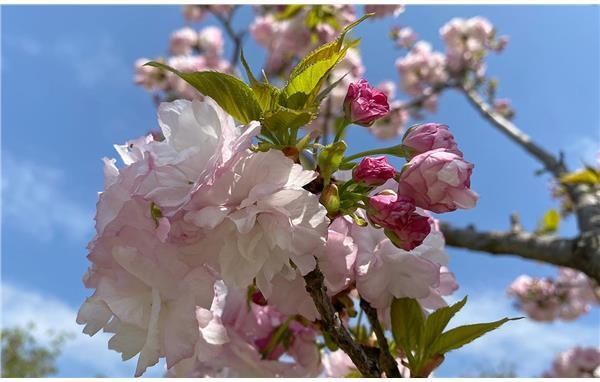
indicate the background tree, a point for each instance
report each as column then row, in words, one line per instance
column 24, row 357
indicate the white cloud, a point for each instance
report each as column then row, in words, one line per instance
column 93, row 60
column 90, row 354
column 34, row 200
column 528, row 345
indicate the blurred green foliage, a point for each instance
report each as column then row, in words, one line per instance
column 24, row 357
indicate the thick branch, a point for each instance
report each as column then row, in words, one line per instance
column 582, row 253
column 332, row 324
column 585, row 199
column 386, row 360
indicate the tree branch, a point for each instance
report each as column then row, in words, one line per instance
column 572, row 253
column 553, row 165
column 332, row 324
column 585, row 250
column 386, row 360
column 235, row 37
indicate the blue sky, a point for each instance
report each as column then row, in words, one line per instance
column 68, row 96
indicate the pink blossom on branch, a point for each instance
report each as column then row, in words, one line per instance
column 183, row 41
column 577, row 362
column 429, row 136
column 381, row 10
column 373, row 171
column 567, row 297
column 364, row 104
column 438, row 181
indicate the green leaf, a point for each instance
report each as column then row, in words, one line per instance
column 407, row 323
column 325, row 51
column 289, row 12
column 231, row 93
column 266, row 94
column 462, row 335
column 303, row 89
column 286, row 119
column 330, row 159
column 586, row 176
column 308, row 76
column 549, row 222
column 436, row 323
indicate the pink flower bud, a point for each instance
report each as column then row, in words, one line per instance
column 411, row 234
column 363, row 104
column 430, row 136
column 373, row 171
column 390, row 210
column 438, row 181
column 397, row 216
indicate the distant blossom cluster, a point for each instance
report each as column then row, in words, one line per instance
column 567, row 297
column 578, row 362
column 190, row 51
column 287, row 40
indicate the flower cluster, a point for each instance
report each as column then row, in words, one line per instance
column 194, row 220
column 421, row 69
column 191, row 51
column 467, row 43
column 206, row 232
column 381, row 10
column 196, row 13
column 184, row 213
column 424, row 72
column 577, row 362
column 567, row 297
column 288, row 38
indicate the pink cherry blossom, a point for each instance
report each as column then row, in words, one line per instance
column 265, row 219
column 467, row 43
column 387, row 209
column 567, row 297
column 373, row 171
column 577, row 362
column 151, row 78
column 381, row 10
column 384, row 271
column 363, row 104
column 439, row 181
column 421, row 69
column 405, row 37
column 337, row 258
column 211, row 42
column 429, row 136
column 234, row 335
column 193, row 13
column 183, row 41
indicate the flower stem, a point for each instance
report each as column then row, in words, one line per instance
column 398, row 151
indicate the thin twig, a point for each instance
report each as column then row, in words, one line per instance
column 332, row 324
column 551, row 163
column 236, row 37
column 386, row 359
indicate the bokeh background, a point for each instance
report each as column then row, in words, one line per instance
column 67, row 96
